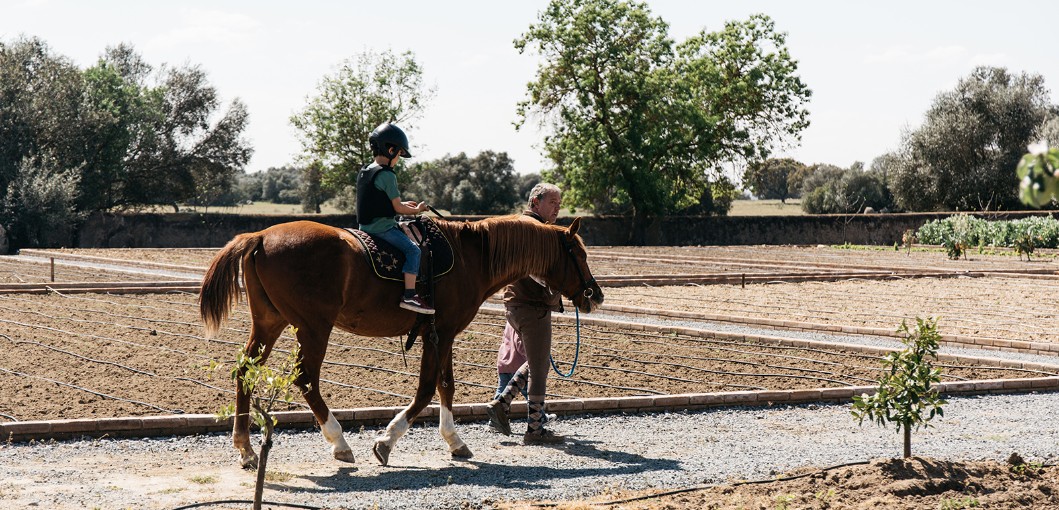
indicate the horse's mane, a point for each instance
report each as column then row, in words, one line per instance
column 515, row 244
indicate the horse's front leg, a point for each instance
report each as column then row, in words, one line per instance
column 428, row 368
column 446, row 425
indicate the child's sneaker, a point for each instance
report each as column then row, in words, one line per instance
column 416, row 304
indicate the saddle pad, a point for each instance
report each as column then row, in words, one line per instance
column 387, row 261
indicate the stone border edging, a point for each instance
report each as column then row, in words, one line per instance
column 150, row 426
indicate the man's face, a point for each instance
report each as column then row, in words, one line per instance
column 548, row 206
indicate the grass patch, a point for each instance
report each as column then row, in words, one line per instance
column 793, row 207
column 203, row 479
column 277, row 476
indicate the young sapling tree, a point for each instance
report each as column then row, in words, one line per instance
column 266, row 386
column 905, row 396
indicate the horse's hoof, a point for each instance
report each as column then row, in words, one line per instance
column 382, row 452
column 248, row 460
column 344, row 456
column 462, row 453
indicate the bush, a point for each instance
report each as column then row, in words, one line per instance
column 973, row 231
column 39, row 208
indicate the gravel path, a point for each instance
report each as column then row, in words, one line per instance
column 606, row 453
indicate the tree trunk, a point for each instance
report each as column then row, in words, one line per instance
column 908, row 440
column 638, row 230
column 259, row 488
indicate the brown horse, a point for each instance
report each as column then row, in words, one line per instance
column 317, row 277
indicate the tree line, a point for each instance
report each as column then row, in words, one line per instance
column 634, row 123
column 962, row 158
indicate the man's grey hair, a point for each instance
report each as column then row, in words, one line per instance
column 541, row 189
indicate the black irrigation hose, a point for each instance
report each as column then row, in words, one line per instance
column 131, row 369
column 245, row 502
column 710, row 486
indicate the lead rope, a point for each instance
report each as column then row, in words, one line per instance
column 577, row 349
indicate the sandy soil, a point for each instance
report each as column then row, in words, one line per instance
column 898, row 484
column 146, row 354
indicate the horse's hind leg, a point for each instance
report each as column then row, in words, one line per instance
column 263, row 335
column 313, row 342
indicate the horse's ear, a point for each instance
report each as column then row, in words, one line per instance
column 574, row 225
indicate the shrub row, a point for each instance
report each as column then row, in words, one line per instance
column 973, row 231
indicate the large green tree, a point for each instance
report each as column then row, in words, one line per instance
column 962, row 157
column 40, row 97
column 637, row 124
column 770, row 179
column 365, row 91
column 484, row 184
column 112, row 136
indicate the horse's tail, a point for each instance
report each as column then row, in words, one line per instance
column 220, row 286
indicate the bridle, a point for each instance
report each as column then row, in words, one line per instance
column 586, row 285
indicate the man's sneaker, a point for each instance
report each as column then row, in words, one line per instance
column 542, row 436
column 498, row 417
column 416, row 304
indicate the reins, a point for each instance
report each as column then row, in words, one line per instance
column 586, row 290
column 577, row 349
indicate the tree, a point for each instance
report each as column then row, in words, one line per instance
column 770, row 179
column 282, row 185
column 639, row 125
column 485, row 184
column 39, row 206
column 312, row 193
column 904, row 396
column 40, row 95
column 266, row 386
column 73, row 141
column 161, row 143
column 961, row 157
column 526, row 182
column 829, row 189
column 366, row 91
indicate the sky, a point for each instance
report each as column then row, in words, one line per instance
column 874, row 68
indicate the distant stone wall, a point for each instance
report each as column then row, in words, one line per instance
column 214, row 230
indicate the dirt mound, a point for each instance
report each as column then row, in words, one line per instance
column 914, row 483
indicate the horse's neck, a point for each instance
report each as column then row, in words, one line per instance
column 510, row 250
column 521, row 248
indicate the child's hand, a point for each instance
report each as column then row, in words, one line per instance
column 422, row 207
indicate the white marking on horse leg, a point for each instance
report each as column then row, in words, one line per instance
column 397, row 427
column 448, row 430
column 332, row 431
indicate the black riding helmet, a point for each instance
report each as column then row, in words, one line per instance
column 388, row 135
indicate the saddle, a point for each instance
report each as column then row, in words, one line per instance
column 386, row 260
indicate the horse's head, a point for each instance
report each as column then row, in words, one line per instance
column 572, row 276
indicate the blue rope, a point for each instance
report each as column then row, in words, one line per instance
column 577, row 351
